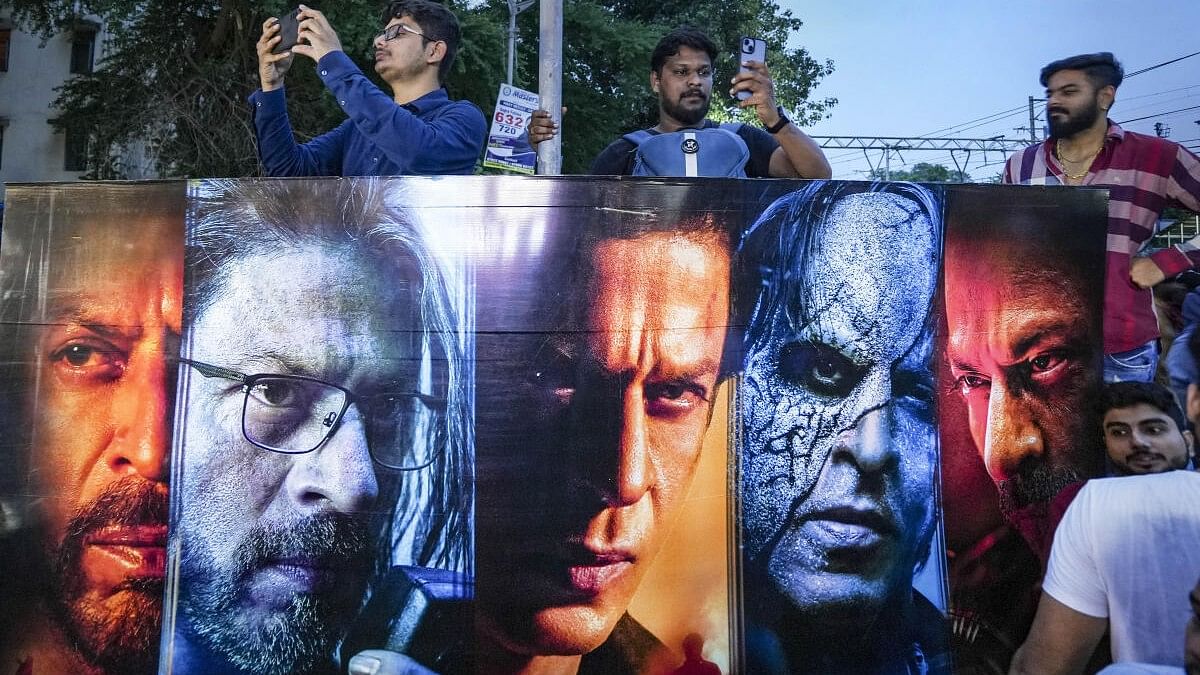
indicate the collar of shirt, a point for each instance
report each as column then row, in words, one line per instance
column 431, row 101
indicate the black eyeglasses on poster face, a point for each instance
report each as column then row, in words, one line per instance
column 294, row 414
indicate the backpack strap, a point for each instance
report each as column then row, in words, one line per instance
column 638, row 137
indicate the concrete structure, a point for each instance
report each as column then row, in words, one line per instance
column 30, row 70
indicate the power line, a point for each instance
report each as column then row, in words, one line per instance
column 1159, row 65
column 1160, row 93
column 1169, row 112
column 997, row 116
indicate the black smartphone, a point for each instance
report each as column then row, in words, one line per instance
column 289, row 26
column 422, row 612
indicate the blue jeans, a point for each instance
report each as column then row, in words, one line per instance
column 1136, row 365
column 1181, row 367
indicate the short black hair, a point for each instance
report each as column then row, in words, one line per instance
column 1101, row 68
column 683, row 36
column 437, row 22
column 1128, row 394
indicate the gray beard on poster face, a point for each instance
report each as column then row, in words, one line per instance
column 865, row 304
column 302, row 637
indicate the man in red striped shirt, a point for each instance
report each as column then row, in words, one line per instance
column 1143, row 174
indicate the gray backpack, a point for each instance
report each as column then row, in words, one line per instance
column 715, row 151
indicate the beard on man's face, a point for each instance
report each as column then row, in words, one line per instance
column 118, row 633
column 1035, row 483
column 685, row 114
column 301, row 637
column 1072, row 123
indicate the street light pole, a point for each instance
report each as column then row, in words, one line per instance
column 514, row 8
column 550, row 82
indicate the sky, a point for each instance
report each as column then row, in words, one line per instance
column 919, row 68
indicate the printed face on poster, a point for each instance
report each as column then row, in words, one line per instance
column 480, row 420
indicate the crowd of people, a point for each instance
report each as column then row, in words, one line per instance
column 1019, row 388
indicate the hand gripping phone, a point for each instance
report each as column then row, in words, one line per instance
column 751, row 49
column 425, row 613
column 289, row 26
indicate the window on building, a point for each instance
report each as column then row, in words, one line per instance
column 83, row 49
column 75, row 147
column 5, row 39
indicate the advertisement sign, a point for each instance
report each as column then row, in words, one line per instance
column 580, row 425
column 508, row 141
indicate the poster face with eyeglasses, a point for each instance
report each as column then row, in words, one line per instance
column 323, row 463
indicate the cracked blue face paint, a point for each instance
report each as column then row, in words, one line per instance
column 839, row 448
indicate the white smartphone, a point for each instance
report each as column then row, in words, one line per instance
column 752, row 49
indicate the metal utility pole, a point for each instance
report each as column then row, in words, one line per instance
column 1032, row 121
column 514, row 8
column 995, row 144
column 890, row 144
column 550, row 82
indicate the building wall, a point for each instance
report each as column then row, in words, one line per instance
column 32, row 149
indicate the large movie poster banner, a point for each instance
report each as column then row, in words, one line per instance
column 321, row 484
column 570, row 425
column 91, row 282
column 1020, row 357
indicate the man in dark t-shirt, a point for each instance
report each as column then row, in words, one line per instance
column 681, row 74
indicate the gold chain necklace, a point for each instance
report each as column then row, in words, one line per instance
column 1087, row 162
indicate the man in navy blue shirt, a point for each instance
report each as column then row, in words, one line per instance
column 415, row 130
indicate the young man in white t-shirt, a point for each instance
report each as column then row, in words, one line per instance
column 1125, row 556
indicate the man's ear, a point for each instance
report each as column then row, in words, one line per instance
column 654, row 81
column 1106, row 96
column 435, row 52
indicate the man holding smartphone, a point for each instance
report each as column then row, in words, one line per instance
column 681, row 74
column 417, row 130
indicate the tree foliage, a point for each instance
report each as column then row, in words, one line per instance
column 924, row 172
column 606, row 63
column 174, row 75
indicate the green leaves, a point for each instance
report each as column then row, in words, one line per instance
column 175, row 73
column 924, row 172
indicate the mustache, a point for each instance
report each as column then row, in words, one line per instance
column 1034, row 483
column 129, row 502
column 333, row 540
